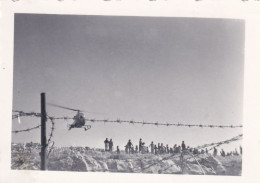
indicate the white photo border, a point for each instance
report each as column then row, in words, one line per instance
column 249, row 11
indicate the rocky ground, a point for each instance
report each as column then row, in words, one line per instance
column 96, row 160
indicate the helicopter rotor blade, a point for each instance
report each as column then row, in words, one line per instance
column 55, row 105
column 93, row 112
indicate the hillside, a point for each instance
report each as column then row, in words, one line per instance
column 96, row 160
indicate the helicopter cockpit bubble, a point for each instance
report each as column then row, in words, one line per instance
column 79, row 119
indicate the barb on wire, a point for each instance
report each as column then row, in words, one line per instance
column 52, row 129
column 26, row 130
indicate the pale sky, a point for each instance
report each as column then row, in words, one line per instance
column 186, row 70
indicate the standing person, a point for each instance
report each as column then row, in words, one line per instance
column 129, row 146
column 106, row 144
column 207, row 151
column 171, row 150
column 152, row 147
column 136, row 149
column 175, row 148
column 162, row 148
column 117, row 150
column 159, row 148
column 222, row 153
column 215, row 151
column 155, row 149
column 144, row 149
column 132, row 150
column 240, row 150
column 183, row 146
column 110, row 145
column 179, row 149
column 126, row 149
column 236, row 152
column 167, row 149
column 140, row 145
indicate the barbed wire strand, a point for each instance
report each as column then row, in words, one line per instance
column 238, row 137
column 26, row 130
column 28, row 114
column 163, row 124
column 118, row 121
column 33, row 114
column 51, row 148
column 217, row 144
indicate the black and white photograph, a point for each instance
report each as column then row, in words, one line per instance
column 128, row 94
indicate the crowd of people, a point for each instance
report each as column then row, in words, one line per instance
column 231, row 153
column 160, row 148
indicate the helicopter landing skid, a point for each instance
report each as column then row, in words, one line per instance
column 87, row 127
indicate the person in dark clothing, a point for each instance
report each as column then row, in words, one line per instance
column 140, row 145
column 167, row 149
column 215, row 151
column 117, row 150
column 236, row 153
column 191, row 150
column 143, row 148
column 152, row 147
column 179, row 149
column 223, row 153
column 129, row 146
column 110, row 145
column 155, row 149
column 175, row 148
column 106, row 144
column 136, row 149
column 159, row 148
column 195, row 151
column 183, row 146
column 132, row 150
column 162, row 149
column 240, row 150
column 171, row 150
column 126, row 149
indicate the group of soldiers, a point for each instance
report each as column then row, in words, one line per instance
column 130, row 149
column 232, row 153
column 160, row 148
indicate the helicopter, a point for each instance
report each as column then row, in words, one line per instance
column 78, row 120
